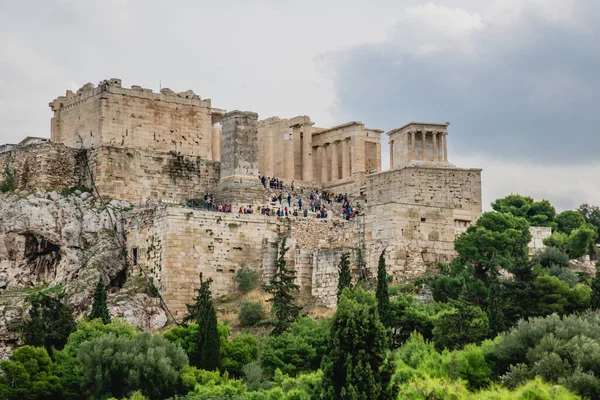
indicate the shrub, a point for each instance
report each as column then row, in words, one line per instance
column 564, row 274
column 246, row 278
column 251, row 313
column 560, row 350
column 552, row 256
column 116, row 366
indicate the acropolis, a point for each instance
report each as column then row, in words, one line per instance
column 163, row 151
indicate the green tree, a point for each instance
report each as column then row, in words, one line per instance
column 356, row 365
column 282, row 287
column 344, row 277
column 99, row 307
column 568, row 221
column 515, row 204
column 27, row 375
column 591, row 214
column 495, row 311
column 581, row 240
column 66, row 364
column 117, row 365
column 208, row 346
column 595, row 285
column 495, row 241
column 382, row 294
column 50, row 322
column 462, row 325
column 297, row 351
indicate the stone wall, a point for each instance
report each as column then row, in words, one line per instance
column 175, row 244
column 538, row 234
column 136, row 175
column 135, row 118
column 49, row 166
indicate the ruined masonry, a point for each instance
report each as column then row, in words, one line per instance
column 161, row 150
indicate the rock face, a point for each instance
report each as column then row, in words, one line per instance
column 53, row 242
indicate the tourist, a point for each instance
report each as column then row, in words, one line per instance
column 305, row 213
column 300, row 204
column 289, row 199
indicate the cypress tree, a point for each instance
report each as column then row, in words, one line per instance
column 356, row 364
column 494, row 310
column 209, row 341
column 50, row 322
column 99, row 307
column 205, row 315
column 282, row 287
column 383, row 296
column 344, row 278
column 595, row 285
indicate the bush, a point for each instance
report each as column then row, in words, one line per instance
column 564, row 274
column 552, row 256
column 560, row 350
column 251, row 313
column 116, row 366
column 246, row 278
column 254, row 376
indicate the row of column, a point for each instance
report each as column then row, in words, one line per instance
column 289, row 161
column 330, row 152
column 436, row 153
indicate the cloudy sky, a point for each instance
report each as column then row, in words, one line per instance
column 519, row 80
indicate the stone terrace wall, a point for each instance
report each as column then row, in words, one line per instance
column 134, row 175
column 47, row 166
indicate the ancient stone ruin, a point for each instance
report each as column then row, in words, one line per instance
column 163, row 152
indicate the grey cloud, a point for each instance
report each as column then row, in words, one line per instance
column 528, row 91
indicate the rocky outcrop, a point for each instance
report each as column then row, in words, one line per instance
column 55, row 242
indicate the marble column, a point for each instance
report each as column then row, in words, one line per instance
column 307, row 163
column 334, row 160
column 445, row 144
column 324, row 151
column 345, row 159
column 391, row 154
column 412, row 146
column 435, row 146
column 288, row 157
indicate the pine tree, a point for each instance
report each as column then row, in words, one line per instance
column 595, row 300
column 281, row 287
column 383, row 296
column 99, row 307
column 50, row 322
column 356, row 364
column 205, row 315
column 344, row 278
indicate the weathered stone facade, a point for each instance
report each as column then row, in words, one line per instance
column 136, row 118
column 135, row 145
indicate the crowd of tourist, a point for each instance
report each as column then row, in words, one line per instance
column 283, row 204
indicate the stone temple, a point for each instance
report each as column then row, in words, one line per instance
column 162, row 150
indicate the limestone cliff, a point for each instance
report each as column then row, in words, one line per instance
column 53, row 242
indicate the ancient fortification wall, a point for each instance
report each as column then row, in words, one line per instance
column 176, row 244
column 135, row 175
column 49, row 166
column 135, row 118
